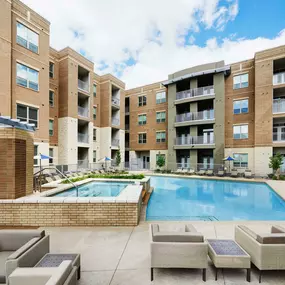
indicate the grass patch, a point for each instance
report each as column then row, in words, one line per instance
column 109, row 176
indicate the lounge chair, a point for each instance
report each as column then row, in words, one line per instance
column 201, row 172
column 57, row 177
column 102, row 171
column 49, row 179
column 247, row 173
column 267, row 250
column 177, row 248
column 210, row 172
column 234, row 173
column 191, row 171
column 179, row 170
column 221, row 173
column 184, row 171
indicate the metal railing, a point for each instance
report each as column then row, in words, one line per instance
column 201, row 91
column 279, row 78
column 195, row 116
column 115, row 122
column 83, row 85
column 116, row 101
column 83, row 138
column 83, row 112
column 127, row 145
column 83, row 163
column 279, row 136
column 115, row 142
column 127, row 127
column 278, row 106
column 189, row 140
column 127, row 109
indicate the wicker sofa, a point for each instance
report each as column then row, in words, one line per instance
column 20, row 248
column 267, row 250
column 177, row 248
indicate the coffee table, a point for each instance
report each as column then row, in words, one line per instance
column 226, row 253
column 55, row 259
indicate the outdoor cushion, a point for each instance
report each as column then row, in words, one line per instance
column 190, row 228
column 3, row 257
column 248, row 231
column 277, row 229
column 271, row 238
column 177, row 237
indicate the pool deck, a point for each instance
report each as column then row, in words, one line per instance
column 121, row 255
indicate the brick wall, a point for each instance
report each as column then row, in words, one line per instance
column 69, row 214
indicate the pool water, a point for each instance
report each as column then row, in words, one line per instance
column 95, row 189
column 205, row 199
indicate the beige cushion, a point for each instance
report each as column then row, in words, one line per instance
column 248, row 231
column 177, row 237
column 277, row 230
column 3, row 257
column 271, row 238
column 190, row 228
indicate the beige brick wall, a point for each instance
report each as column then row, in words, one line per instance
column 69, row 214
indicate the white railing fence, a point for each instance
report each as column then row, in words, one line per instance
column 189, row 140
column 83, row 85
column 279, row 78
column 83, row 112
column 278, row 106
column 83, row 138
column 201, row 91
column 115, row 122
column 195, row 116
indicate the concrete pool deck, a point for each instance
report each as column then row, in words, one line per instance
column 120, row 255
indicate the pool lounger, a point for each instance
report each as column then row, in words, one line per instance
column 210, row 172
column 201, row 172
column 221, row 173
column 234, row 173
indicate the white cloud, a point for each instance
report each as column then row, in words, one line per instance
column 153, row 33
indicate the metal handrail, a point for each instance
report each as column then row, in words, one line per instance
column 42, row 170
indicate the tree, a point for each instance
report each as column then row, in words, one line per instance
column 118, row 158
column 275, row 163
column 160, row 161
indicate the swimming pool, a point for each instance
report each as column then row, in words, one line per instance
column 95, row 189
column 205, row 199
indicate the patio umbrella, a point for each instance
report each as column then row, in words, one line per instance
column 229, row 158
column 105, row 159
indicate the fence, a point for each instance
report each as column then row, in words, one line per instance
column 83, row 85
column 188, row 140
column 83, row 138
column 201, row 91
column 195, row 116
column 83, row 112
column 279, row 78
column 278, row 106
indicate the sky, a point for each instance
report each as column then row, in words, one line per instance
column 141, row 42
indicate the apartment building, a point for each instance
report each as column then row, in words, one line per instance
column 146, row 126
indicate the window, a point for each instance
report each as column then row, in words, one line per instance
column 94, row 112
column 241, row 106
column 240, row 132
column 27, row 114
column 27, row 38
column 51, row 128
column 240, row 160
column 51, row 98
column 51, row 155
column 160, row 97
column 142, row 119
column 94, row 156
column 158, row 155
column 94, row 90
column 36, row 148
column 51, row 70
column 160, row 117
column 142, row 101
column 94, row 135
column 27, row 77
column 160, row 137
column 241, row 81
column 142, row 138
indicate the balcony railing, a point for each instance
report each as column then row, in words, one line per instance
column 115, row 122
column 278, row 106
column 116, row 102
column 115, row 142
column 195, row 116
column 188, row 140
column 127, row 109
column 202, row 91
column 83, row 163
column 83, row 112
column 127, row 127
column 279, row 137
column 279, row 78
column 83, row 138
column 127, row 145
column 83, row 85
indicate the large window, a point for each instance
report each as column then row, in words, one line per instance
column 94, row 112
column 160, row 97
column 241, row 81
column 160, row 137
column 94, row 135
column 27, row 114
column 241, row 106
column 27, row 38
column 36, row 149
column 94, row 156
column 240, row 132
column 142, row 101
column 142, row 119
column 94, row 90
column 51, row 98
column 51, row 70
column 142, row 138
column 51, row 126
column 240, row 160
column 27, row 77
column 51, row 155
column 160, row 117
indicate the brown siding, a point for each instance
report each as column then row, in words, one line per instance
column 105, row 102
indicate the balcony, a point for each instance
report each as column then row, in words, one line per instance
column 83, row 85
column 184, row 142
column 115, row 122
column 127, row 127
column 115, row 142
column 279, row 137
column 196, row 93
column 278, row 106
column 127, row 109
column 83, row 138
column 279, row 78
column 195, row 118
column 83, row 112
column 116, row 102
